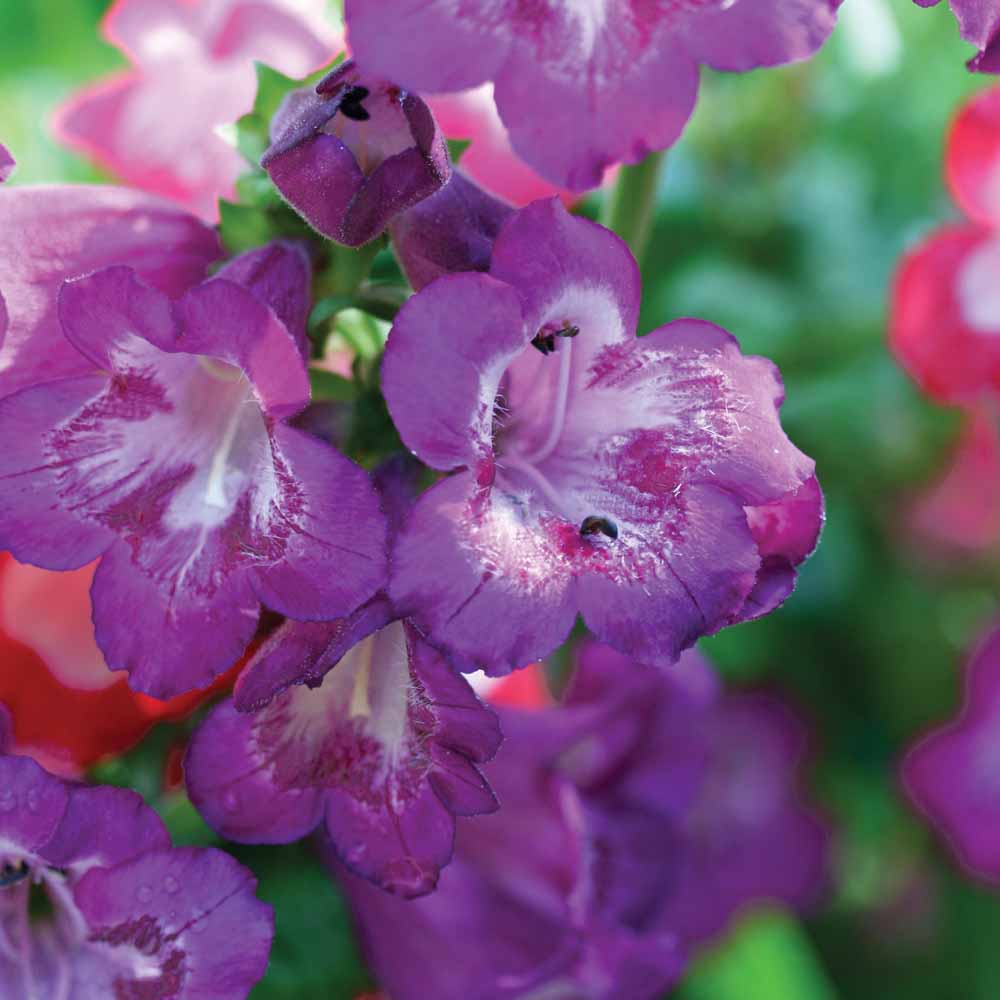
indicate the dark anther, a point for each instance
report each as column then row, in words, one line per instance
column 11, row 874
column 545, row 339
column 351, row 107
column 594, row 525
column 544, row 342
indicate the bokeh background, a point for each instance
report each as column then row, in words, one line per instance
column 782, row 215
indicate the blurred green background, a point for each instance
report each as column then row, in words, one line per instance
column 782, row 214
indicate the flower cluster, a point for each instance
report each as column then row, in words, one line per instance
column 506, row 456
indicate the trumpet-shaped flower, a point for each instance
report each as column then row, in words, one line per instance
column 155, row 125
column 644, row 483
column 173, row 461
column 359, row 725
column 94, row 902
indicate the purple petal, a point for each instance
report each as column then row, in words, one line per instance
column 279, row 275
column 252, row 338
column 35, row 525
column 751, row 33
column 104, row 826
column 172, row 638
column 32, row 803
column 548, row 254
column 187, row 915
column 49, row 234
column 304, row 652
column 452, row 230
column 501, row 592
column 459, row 333
column 329, row 516
column 384, row 749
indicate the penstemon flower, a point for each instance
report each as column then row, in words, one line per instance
column 582, row 86
column 634, row 824
column 945, row 309
column 154, row 125
column 359, row 725
column 173, row 461
column 127, row 914
column 644, row 483
column 951, row 774
column 354, row 153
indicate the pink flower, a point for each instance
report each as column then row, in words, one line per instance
column 154, row 124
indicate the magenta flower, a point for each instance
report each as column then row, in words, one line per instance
column 979, row 24
column 631, row 829
column 154, row 125
column 582, row 86
column 951, row 774
column 945, row 308
column 355, row 153
column 644, row 483
column 173, row 461
column 130, row 916
column 49, row 234
column 380, row 745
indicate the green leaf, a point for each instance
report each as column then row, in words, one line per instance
column 766, row 957
column 314, row 953
column 330, row 387
column 242, row 227
column 456, row 148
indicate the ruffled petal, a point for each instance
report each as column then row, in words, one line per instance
column 127, row 829
column 32, row 803
column 50, row 234
column 384, row 748
column 501, row 594
column 748, row 33
column 459, row 334
column 548, row 255
column 326, row 516
column 184, row 921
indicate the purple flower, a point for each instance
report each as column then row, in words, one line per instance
column 129, row 915
column 49, row 234
column 979, row 24
column 953, row 774
column 581, row 86
column 355, row 153
column 358, row 724
column 452, row 230
column 644, row 483
column 173, row 461
column 586, row 883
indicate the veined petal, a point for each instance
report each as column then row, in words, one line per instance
column 375, row 749
column 50, row 234
column 460, row 333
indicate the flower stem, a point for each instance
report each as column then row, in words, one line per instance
column 630, row 205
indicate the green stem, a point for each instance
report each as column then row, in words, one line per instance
column 629, row 206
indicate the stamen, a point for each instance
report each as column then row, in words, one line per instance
column 559, row 411
column 351, row 107
column 215, row 492
column 594, row 525
column 545, row 339
column 512, row 461
column 12, row 874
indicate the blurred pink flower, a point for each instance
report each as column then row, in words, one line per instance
column 490, row 160
column 155, row 124
column 961, row 511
